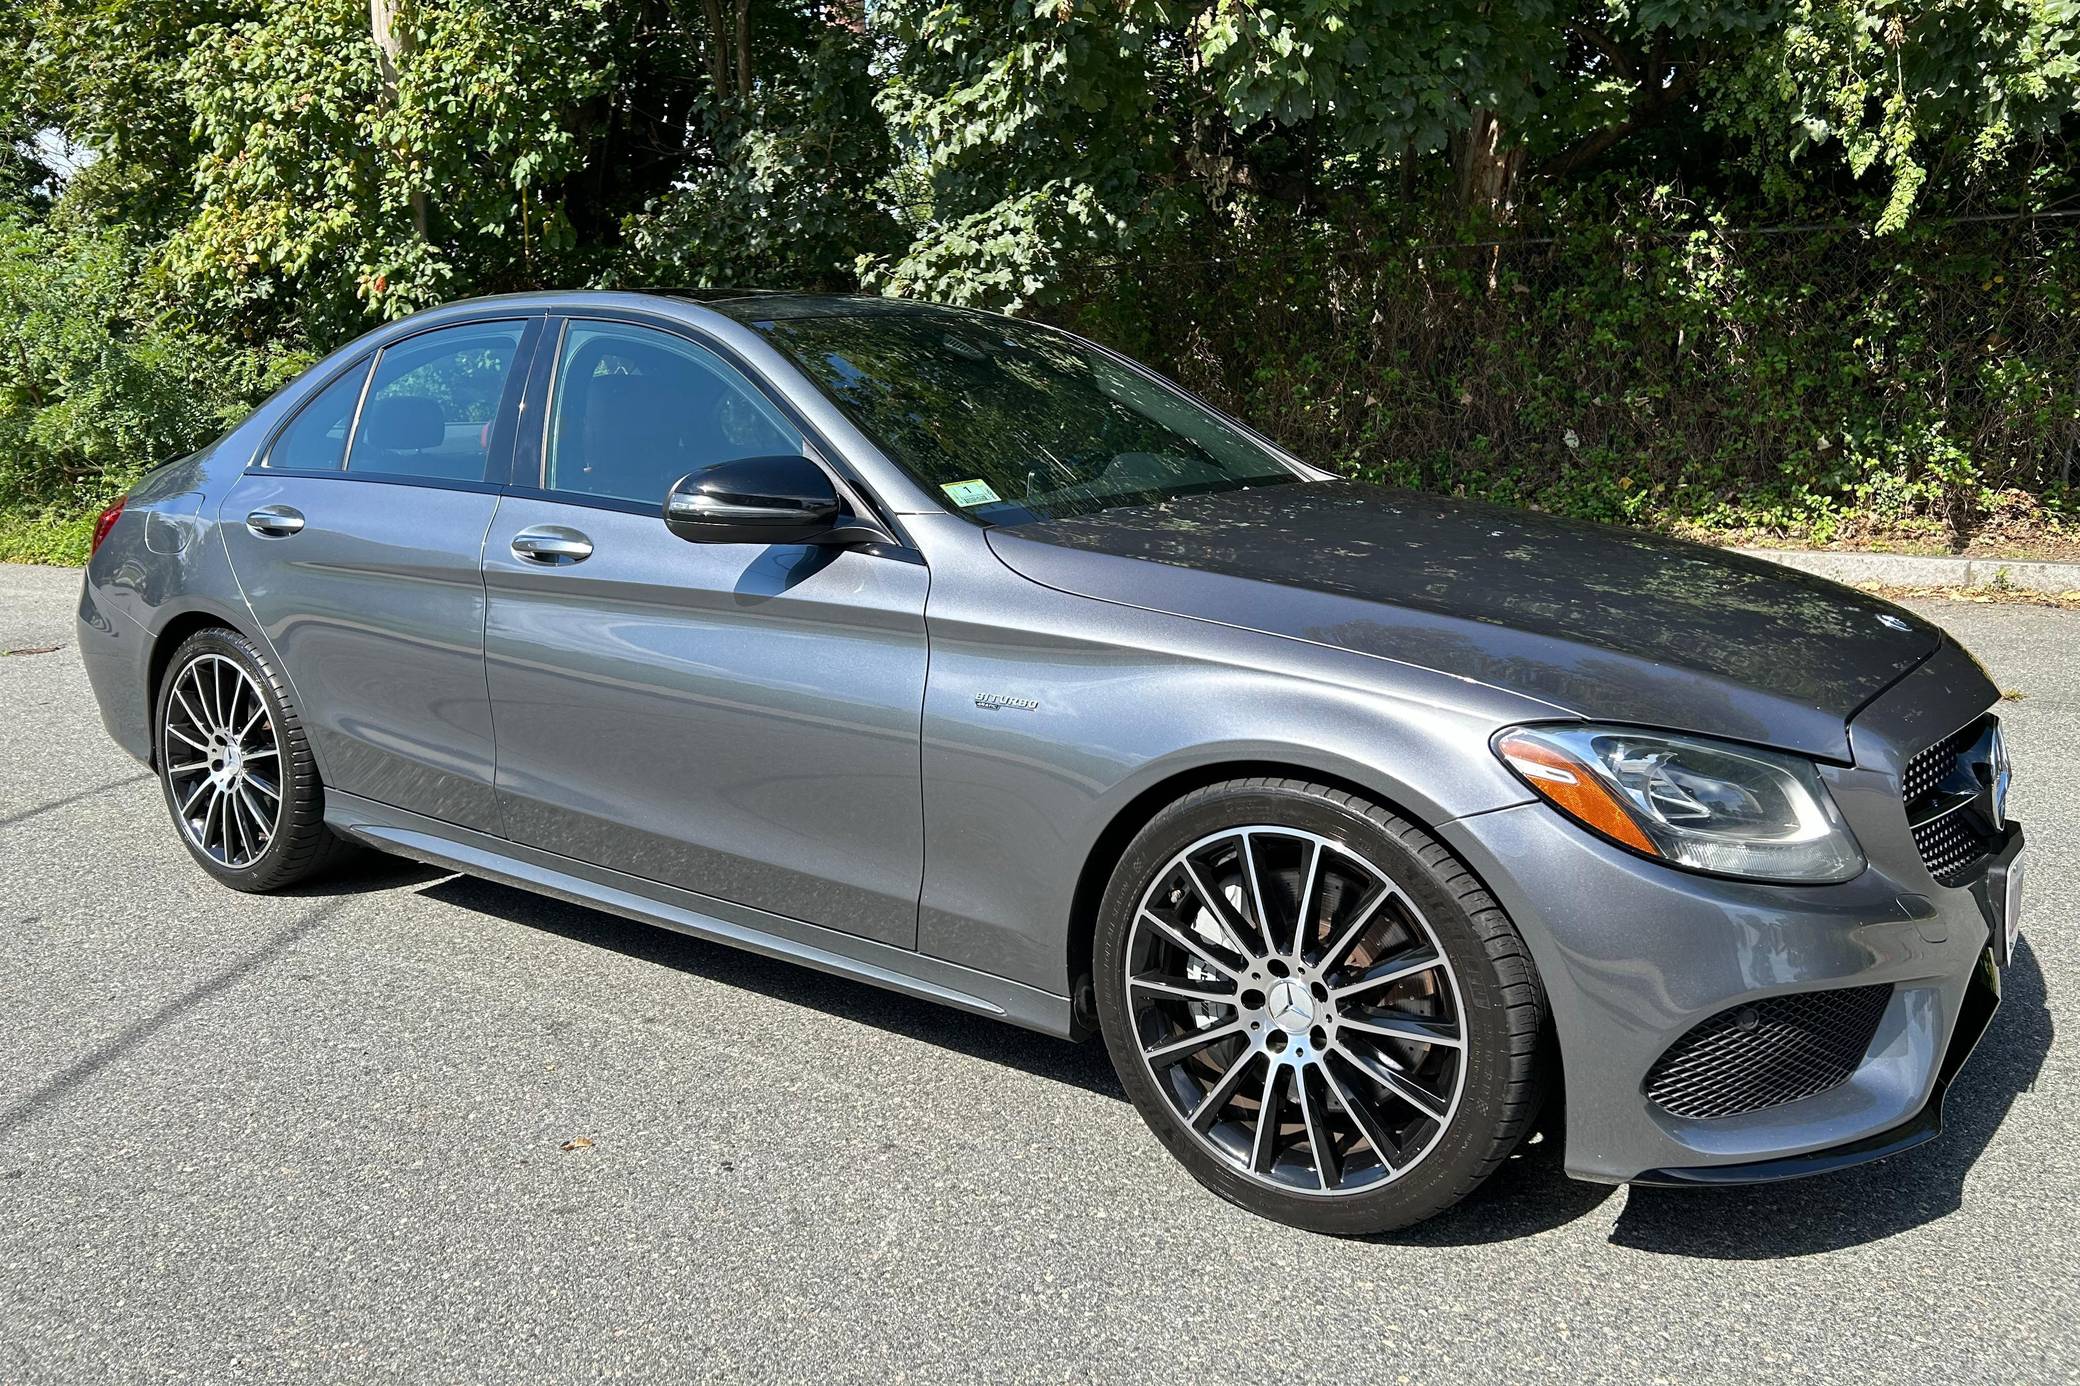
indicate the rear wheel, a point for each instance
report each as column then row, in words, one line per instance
column 236, row 768
column 1316, row 1006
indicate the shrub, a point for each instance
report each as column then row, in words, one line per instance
column 99, row 382
column 1817, row 384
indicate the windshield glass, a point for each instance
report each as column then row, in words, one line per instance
column 1013, row 423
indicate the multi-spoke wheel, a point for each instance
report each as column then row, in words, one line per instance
column 224, row 764
column 1316, row 1006
column 237, row 772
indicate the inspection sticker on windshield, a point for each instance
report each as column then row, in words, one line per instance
column 966, row 493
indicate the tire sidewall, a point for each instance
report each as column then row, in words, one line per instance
column 1443, row 1174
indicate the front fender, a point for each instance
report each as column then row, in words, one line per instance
column 1048, row 715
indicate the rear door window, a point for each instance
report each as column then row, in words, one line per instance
column 433, row 402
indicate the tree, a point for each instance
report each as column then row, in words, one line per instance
column 1962, row 103
column 375, row 160
column 1053, row 131
column 318, row 164
column 1252, row 192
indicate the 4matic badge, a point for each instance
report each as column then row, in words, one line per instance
column 993, row 701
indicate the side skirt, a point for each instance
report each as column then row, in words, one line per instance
column 429, row 840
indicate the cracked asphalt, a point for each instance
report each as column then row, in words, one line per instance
column 322, row 1136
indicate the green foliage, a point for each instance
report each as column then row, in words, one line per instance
column 1048, row 134
column 106, row 74
column 1819, row 384
column 310, row 163
column 96, row 383
column 793, row 203
column 19, row 172
column 299, row 171
column 1040, row 139
column 1900, row 94
column 1486, row 247
column 1377, row 74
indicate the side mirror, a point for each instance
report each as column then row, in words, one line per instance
column 757, row 500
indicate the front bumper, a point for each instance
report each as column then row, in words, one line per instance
column 1634, row 955
column 1982, row 998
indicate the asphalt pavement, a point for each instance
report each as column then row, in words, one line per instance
column 416, row 1126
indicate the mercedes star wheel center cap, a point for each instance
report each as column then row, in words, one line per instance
column 1291, row 1009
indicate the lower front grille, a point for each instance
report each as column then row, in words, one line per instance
column 1767, row 1053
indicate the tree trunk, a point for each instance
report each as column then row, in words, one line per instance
column 744, row 52
column 393, row 47
column 1486, row 167
column 718, row 59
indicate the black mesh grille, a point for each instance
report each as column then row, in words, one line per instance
column 1767, row 1053
column 1954, row 844
column 1931, row 764
column 1951, row 846
column 1928, row 767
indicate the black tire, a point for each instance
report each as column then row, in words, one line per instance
column 1494, row 990
column 299, row 846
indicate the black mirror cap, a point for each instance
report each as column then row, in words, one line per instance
column 754, row 500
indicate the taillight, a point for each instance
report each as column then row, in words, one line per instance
column 105, row 523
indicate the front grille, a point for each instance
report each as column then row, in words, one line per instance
column 1951, row 846
column 1767, row 1053
column 1952, row 840
column 1930, row 767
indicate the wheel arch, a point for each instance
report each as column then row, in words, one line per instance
column 170, row 637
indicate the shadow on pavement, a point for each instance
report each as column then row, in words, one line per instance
column 55, row 804
column 1079, row 1065
column 55, row 1088
column 1530, row 1194
column 365, row 873
column 1870, row 1202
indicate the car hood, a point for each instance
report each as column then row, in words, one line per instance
column 1605, row 623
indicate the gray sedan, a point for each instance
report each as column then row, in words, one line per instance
column 968, row 658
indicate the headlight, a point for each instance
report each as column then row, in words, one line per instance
column 1706, row 805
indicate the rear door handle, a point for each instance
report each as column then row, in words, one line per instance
column 551, row 545
column 275, row 521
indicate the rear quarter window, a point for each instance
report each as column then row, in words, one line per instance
column 316, row 439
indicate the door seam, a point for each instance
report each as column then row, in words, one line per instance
column 498, row 803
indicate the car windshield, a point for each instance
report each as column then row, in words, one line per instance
column 1013, row 423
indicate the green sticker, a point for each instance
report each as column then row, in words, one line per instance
column 966, row 493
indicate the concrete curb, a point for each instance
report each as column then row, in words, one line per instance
column 1914, row 570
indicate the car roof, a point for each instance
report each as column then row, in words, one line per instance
column 773, row 305
column 748, row 307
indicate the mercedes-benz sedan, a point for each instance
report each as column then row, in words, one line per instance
column 969, row 659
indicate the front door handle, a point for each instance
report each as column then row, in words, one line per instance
column 551, row 545
column 275, row 521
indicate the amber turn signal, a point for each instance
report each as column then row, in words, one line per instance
column 1572, row 788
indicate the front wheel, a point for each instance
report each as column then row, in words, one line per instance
column 236, row 768
column 1316, row 1007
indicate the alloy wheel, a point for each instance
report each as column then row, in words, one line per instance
column 1296, row 1010
column 223, row 761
